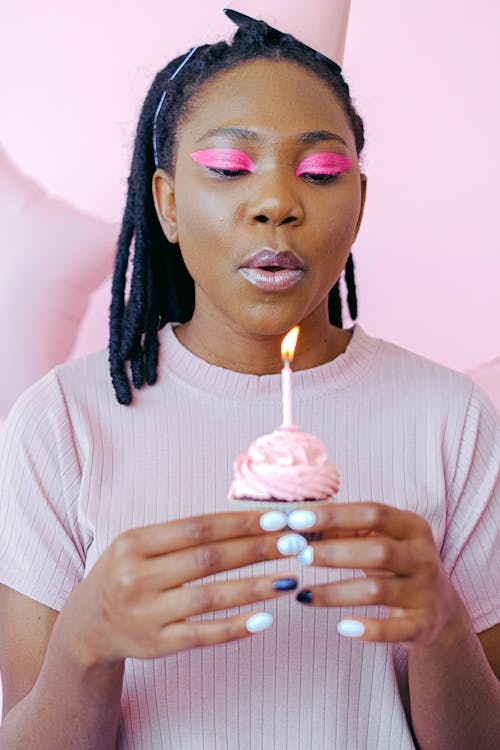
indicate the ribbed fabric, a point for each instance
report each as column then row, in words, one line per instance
column 77, row 469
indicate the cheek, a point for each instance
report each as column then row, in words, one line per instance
column 201, row 229
column 334, row 231
column 203, row 213
column 337, row 222
column 345, row 213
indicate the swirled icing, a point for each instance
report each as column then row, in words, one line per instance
column 285, row 465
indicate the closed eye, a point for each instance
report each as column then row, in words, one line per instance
column 228, row 172
column 323, row 167
column 227, row 162
column 319, row 178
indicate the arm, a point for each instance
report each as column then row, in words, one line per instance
column 46, row 690
column 458, row 672
column 133, row 603
column 454, row 694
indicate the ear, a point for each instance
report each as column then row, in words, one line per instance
column 164, row 200
column 362, row 205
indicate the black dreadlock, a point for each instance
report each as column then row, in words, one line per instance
column 161, row 288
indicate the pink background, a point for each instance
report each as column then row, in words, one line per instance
column 425, row 77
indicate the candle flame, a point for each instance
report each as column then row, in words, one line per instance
column 288, row 344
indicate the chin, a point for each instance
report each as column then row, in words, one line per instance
column 269, row 325
column 276, row 319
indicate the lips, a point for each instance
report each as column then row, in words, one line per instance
column 272, row 271
column 270, row 259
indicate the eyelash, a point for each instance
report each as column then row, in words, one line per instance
column 228, row 172
column 320, row 178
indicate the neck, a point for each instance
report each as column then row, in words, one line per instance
column 257, row 353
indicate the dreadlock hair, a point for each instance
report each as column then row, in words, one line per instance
column 161, row 288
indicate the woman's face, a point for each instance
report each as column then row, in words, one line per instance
column 266, row 198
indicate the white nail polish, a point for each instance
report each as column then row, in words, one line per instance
column 258, row 622
column 351, row 628
column 301, row 519
column 291, row 544
column 274, row 520
column 306, row 557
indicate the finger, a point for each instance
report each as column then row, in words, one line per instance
column 405, row 629
column 392, row 592
column 159, row 539
column 169, row 571
column 189, row 601
column 362, row 518
column 368, row 553
column 180, row 636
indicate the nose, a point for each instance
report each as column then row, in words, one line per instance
column 275, row 203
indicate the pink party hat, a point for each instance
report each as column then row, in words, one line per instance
column 320, row 24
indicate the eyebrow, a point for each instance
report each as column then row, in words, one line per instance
column 316, row 136
column 309, row 138
column 248, row 135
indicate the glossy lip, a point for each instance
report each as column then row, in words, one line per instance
column 272, row 281
column 265, row 258
column 289, row 269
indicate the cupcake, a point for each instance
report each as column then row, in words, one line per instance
column 286, row 470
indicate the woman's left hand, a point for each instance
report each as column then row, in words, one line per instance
column 403, row 571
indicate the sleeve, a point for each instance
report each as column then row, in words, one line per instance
column 42, row 542
column 471, row 547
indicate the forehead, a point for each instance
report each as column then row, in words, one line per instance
column 273, row 96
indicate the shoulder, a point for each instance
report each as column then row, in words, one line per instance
column 84, row 375
column 415, row 367
column 424, row 382
column 50, row 411
column 64, row 382
column 442, row 411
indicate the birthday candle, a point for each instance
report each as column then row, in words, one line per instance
column 287, row 350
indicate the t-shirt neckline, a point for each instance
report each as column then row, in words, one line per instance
column 177, row 361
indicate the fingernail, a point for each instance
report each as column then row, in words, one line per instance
column 304, row 597
column 301, row 519
column 351, row 628
column 306, row 557
column 285, row 584
column 258, row 622
column 291, row 544
column 274, row 520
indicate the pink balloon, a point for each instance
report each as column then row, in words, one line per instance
column 52, row 256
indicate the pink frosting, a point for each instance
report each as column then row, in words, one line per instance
column 285, row 465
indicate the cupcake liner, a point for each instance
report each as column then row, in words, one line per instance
column 285, row 506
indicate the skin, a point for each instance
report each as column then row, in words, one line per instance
column 66, row 668
column 220, row 222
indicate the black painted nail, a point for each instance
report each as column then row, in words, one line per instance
column 313, row 536
column 285, row 584
column 305, row 597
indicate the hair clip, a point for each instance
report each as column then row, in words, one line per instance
column 162, row 99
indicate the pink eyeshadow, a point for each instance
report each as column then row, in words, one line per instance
column 223, row 158
column 326, row 163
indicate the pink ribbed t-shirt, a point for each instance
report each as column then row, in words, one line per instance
column 77, row 469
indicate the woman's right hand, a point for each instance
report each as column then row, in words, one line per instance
column 134, row 602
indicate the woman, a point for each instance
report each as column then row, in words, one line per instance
column 116, row 527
